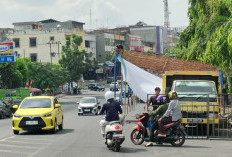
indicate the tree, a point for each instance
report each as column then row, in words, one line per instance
column 75, row 61
column 47, row 75
column 14, row 75
column 208, row 37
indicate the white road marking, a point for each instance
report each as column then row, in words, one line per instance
column 17, row 146
column 4, row 139
column 22, row 138
column 16, row 152
column 25, row 142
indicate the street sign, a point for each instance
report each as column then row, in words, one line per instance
column 6, row 47
column 7, row 59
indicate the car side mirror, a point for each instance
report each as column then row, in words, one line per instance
column 57, row 106
column 98, row 102
column 99, row 107
column 15, row 107
column 78, row 103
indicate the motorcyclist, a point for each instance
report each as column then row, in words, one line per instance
column 153, row 99
column 112, row 109
column 155, row 115
column 172, row 114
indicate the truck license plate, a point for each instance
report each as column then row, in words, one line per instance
column 195, row 120
column 31, row 122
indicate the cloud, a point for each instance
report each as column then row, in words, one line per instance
column 118, row 12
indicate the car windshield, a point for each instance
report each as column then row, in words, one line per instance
column 36, row 103
column 195, row 88
column 88, row 100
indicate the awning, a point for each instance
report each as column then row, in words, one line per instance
column 35, row 90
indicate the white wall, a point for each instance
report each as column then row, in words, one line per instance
column 43, row 38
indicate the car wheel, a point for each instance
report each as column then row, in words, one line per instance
column 15, row 132
column 54, row 129
column 61, row 125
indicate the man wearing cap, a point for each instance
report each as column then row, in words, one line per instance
column 153, row 99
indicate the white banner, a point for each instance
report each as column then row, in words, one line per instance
column 140, row 81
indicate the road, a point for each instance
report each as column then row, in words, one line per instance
column 81, row 137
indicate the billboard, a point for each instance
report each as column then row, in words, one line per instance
column 6, row 47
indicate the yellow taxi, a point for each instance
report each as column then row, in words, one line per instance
column 38, row 113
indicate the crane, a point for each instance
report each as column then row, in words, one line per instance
column 166, row 14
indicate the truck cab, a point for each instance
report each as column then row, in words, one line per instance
column 197, row 92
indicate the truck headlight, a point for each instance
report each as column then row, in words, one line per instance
column 48, row 115
column 17, row 116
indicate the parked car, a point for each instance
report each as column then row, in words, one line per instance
column 99, row 87
column 91, row 85
column 5, row 111
column 96, row 87
column 88, row 105
column 112, row 85
column 109, row 80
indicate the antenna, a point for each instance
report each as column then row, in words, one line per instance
column 166, row 14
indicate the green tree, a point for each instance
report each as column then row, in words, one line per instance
column 75, row 61
column 208, row 37
column 14, row 75
column 47, row 75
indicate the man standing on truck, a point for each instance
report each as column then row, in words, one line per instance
column 153, row 99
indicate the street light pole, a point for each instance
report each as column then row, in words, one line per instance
column 50, row 50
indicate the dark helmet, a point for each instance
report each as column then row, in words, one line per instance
column 172, row 95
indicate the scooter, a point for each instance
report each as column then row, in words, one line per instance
column 175, row 133
column 114, row 136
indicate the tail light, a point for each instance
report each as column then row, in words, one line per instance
column 117, row 127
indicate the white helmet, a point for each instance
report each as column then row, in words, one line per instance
column 109, row 95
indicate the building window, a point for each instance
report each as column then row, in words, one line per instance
column 32, row 42
column 87, row 44
column 33, row 57
column 52, row 38
column 16, row 41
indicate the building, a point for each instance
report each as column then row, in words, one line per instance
column 153, row 38
column 90, row 44
column 3, row 33
column 134, row 43
column 42, row 41
column 105, row 46
column 173, row 36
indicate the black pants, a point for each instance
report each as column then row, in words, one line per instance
column 153, row 128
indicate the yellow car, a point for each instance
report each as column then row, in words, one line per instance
column 38, row 113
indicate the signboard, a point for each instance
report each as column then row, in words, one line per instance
column 99, row 71
column 7, row 59
column 6, row 47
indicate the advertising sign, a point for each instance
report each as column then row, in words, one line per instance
column 6, row 47
column 7, row 59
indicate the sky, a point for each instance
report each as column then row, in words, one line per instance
column 104, row 13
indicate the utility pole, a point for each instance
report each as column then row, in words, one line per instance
column 58, row 42
column 50, row 43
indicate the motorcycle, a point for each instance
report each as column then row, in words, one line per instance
column 114, row 136
column 175, row 133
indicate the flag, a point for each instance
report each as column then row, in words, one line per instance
column 27, row 84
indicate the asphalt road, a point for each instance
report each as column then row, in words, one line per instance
column 81, row 137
